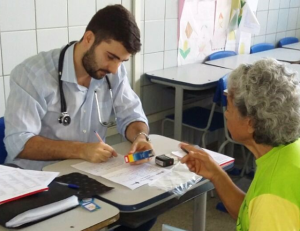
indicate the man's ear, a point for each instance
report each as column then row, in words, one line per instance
column 250, row 128
column 88, row 39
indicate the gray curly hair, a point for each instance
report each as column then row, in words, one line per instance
column 269, row 94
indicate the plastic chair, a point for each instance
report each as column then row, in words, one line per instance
column 287, row 40
column 261, row 47
column 220, row 54
column 202, row 119
column 3, row 152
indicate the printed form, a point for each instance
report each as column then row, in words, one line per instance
column 16, row 183
column 116, row 170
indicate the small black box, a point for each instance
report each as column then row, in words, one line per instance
column 164, row 161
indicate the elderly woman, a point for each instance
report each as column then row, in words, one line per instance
column 263, row 113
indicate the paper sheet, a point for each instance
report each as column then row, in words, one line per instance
column 249, row 22
column 221, row 159
column 131, row 176
column 16, row 182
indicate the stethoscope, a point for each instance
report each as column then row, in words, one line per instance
column 64, row 117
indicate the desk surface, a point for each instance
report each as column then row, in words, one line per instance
column 193, row 75
column 77, row 219
column 280, row 54
column 295, row 46
column 125, row 199
column 233, row 62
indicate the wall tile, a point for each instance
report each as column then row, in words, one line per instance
column 171, row 9
column 284, row 3
column 292, row 19
column 6, row 86
column 282, row 20
column 295, row 3
column 272, row 21
column 1, row 71
column 127, row 4
column 271, row 38
column 103, row 3
column 298, row 34
column 171, row 26
column 262, row 17
column 17, row 46
column 298, row 19
column 263, row 5
column 154, row 61
column 51, row 14
column 80, row 12
column 259, row 39
column 274, row 4
column 17, row 15
column 142, row 31
column 154, row 9
column 156, row 98
column 279, row 36
column 142, row 10
column 290, row 33
column 2, row 97
column 170, row 59
column 48, row 39
column 76, row 33
column 154, row 36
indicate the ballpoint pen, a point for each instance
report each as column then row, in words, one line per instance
column 99, row 137
column 73, row 186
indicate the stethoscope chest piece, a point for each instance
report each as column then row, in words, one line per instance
column 64, row 118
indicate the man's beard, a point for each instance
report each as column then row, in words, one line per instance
column 90, row 66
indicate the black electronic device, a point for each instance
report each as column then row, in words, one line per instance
column 164, row 161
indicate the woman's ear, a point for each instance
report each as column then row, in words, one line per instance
column 250, row 128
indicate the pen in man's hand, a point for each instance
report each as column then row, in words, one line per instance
column 73, row 186
column 101, row 141
column 99, row 137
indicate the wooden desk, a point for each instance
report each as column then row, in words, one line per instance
column 145, row 202
column 188, row 77
column 294, row 46
column 77, row 219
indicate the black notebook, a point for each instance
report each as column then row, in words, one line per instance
column 88, row 187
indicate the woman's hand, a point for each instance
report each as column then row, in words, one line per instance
column 200, row 162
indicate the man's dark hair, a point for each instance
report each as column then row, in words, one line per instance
column 117, row 23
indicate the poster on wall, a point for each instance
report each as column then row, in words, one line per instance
column 199, row 33
column 208, row 26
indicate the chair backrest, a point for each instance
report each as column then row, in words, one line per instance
column 287, row 40
column 219, row 96
column 261, row 47
column 3, row 153
column 220, row 54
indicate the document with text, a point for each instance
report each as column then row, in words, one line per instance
column 116, row 170
column 16, row 183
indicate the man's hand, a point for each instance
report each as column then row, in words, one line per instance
column 140, row 144
column 97, row 152
column 200, row 162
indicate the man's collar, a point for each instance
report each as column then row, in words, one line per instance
column 69, row 74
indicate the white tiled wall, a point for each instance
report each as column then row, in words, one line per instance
column 159, row 21
column 278, row 19
column 31, row 26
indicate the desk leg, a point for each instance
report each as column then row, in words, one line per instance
column 178, row 112
column 199, row 218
